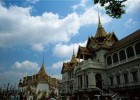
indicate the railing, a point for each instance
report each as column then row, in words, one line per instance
column 85, row 88
column 124, row 61
column 89, row 63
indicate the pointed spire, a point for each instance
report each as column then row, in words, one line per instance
column 73, row 59
column 43, row 62
column 100, row 30
column 42, row 69
column 73, row 51
column 99, row 22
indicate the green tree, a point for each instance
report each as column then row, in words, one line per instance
column 114, row 9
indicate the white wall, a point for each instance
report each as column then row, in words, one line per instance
column 100, row 55
column 42, row 87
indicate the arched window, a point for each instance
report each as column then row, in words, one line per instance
column 115, row 58
column 130, row 52
column 122, row 55
column 109, row 60
column 137, row 48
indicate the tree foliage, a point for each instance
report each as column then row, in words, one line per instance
column 114, row 9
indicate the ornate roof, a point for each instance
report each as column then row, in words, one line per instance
column 100, row 30
column 102, row 40
column 42, row 70
column 125, row 41
column 73, row 59
column 69, row 65
column 65, row 67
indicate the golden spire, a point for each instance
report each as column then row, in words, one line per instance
column 99, row 22
column 42, row 69
column 73, row 52
column 100, row 30
column 43, row 62
column 73, row 59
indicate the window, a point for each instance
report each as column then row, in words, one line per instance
column 135, row 77
column 118, row 79
column 111, row 81
column 137, row 48
column 122, row 55
column 115, row 58
column 125, row 78
column 109, row 60
column 130, row 52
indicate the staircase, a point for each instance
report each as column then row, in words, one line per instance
column 109, row 94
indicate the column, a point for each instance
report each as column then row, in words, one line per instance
column 118, row 57
column 111, row 59
column 93, row 78
column 83, row 82
column 126, row 54
column 134, row 52
column 138, row 67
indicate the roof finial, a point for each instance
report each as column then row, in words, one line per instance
column 99, row 23
column 100, row 30
column 73, row 51
column 43, row 61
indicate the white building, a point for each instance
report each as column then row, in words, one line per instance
column 67, row 76
column 39, row 85
column 110, row 68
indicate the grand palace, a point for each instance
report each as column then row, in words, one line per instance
column 106, row 68
column 39, row 85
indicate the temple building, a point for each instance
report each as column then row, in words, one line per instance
column 67, row 76
column 39, row 84
column 107, row 68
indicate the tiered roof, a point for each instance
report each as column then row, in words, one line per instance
column 41, row 76
column 102, row 40
column 69, row 65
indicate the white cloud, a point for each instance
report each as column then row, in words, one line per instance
column 64, row 50
column 38, row 47
column 19, row 27
column 132, row 5
column 34, row 30
column 130, row 23
column 26, row 66
column 57, row 65
column 32, row 1
column 90, row 16
column 11, row 77
column 82, row 4
column 58, row 76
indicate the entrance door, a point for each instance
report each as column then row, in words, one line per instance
column 98, row 79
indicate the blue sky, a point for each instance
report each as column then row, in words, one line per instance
column 31, row 29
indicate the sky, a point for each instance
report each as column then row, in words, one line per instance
column 33, row 29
